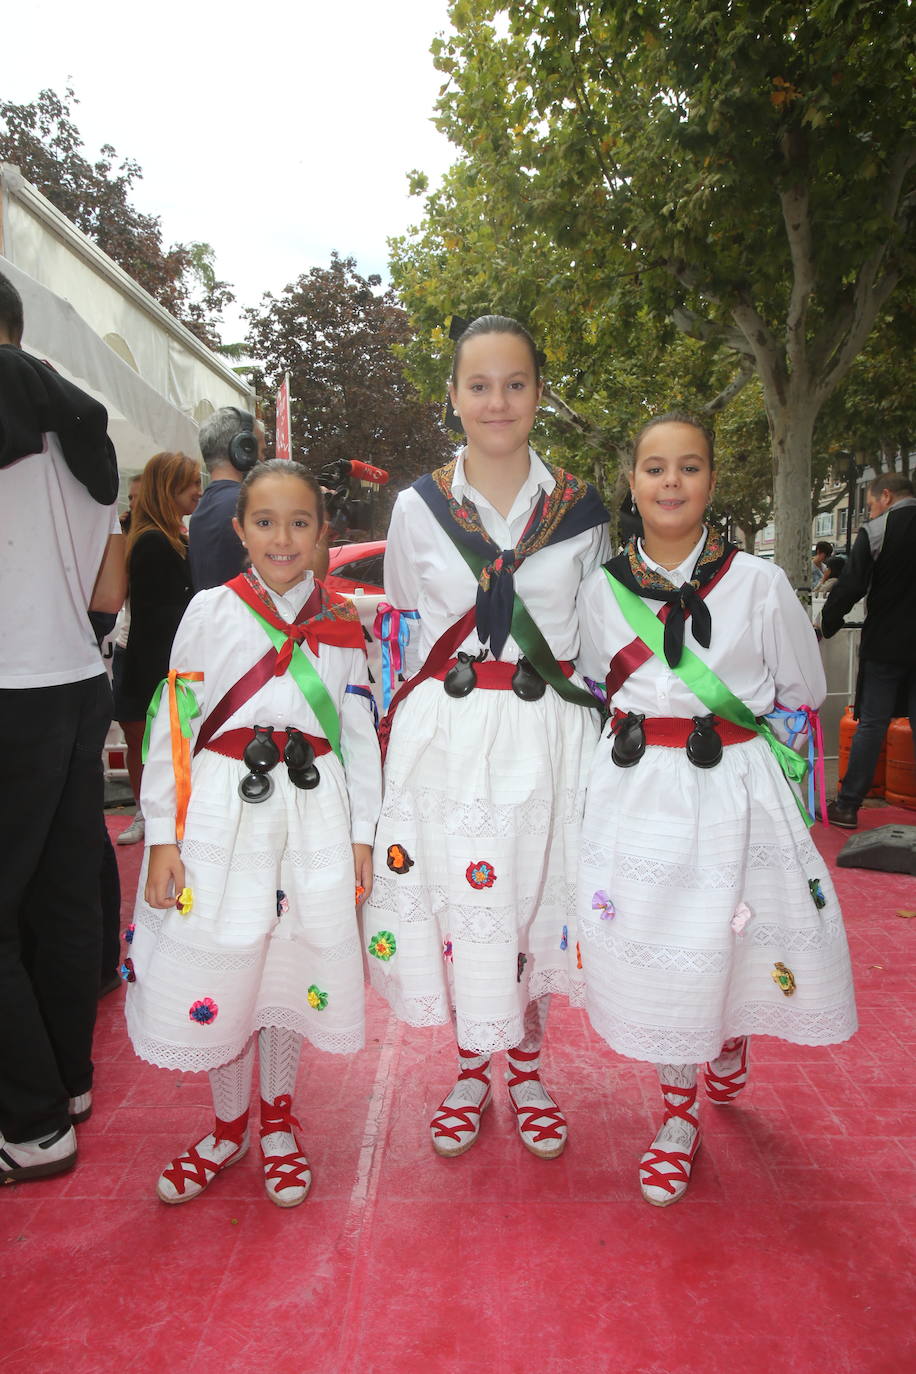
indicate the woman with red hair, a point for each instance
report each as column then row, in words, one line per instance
column 159, row 588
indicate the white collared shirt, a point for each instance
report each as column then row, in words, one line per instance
column 425, row 572
column 684, row 571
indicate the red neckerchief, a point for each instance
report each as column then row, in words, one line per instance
column 326, row 618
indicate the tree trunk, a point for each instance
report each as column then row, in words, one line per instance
column 791, row 429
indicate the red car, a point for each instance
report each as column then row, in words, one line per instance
column 353, row 567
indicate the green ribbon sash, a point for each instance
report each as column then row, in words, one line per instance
column 708, row 687
column 533, row 644
column 309, row 684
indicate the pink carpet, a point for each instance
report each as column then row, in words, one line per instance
column 793, row 1251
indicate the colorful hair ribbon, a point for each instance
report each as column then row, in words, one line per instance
column 183, row 707
column 392, row 630
column 806, row 720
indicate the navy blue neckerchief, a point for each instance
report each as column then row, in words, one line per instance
column 688, row 599
column 495, row 601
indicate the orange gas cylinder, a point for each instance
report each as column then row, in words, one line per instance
column 901, row 765
column 848, row 728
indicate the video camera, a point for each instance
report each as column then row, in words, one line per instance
column 342, row 510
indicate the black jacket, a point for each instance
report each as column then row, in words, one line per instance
column 882, row 566
column 214, row 549
column 160, row 589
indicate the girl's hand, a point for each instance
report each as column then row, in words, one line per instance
column 165, row 876
column 362, row 864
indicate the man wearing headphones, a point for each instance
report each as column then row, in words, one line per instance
column 231, row 442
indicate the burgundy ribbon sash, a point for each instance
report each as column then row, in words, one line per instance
column 255, row 678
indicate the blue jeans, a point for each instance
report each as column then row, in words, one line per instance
column 881, row 683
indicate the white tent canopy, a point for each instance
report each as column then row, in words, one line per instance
column 105, row 333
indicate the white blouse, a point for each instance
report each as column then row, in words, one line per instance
column 425, row 572
column 220, row 637
column 763, row 645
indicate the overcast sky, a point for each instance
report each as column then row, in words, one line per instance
column 276, row 133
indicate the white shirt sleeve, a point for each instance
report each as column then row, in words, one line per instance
column 361, row 754
column 592, row 661
column 790, row 647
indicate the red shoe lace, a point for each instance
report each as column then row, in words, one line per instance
column 529, row 1116
column 192, row 1167
column 677, row 1159
column 462, row 1115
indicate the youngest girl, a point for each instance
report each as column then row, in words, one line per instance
column 705, row 911
column 262, row 771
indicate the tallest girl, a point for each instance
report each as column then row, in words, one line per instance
column 471, row 918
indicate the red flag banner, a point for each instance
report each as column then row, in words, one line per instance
column 283, row 444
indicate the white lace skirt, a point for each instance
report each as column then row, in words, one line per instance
column 473, row 909
column 695, row 887
column 272, row 936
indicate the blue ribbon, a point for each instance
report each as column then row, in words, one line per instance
column 402, row 641
column 353, row 690
column 797, row 723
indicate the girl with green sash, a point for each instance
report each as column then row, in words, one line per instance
column 706, row 913
column 261, row 792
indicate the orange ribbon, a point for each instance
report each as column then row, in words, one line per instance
column 180, row 727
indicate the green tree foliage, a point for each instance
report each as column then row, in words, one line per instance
column 338, row 335
column 42, row 140
column 748, row 165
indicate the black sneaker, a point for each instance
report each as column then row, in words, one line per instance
column 839, row 814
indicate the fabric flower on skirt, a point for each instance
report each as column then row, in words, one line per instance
column 480, row 874
column 578, row 955
column 564, row 938
column 602, row 902
column 383, row 945
column 784, row 978
column 317, row 998
column 185, row 901
column 447, row 949
column 127, row 971
column 129, row 935
column 522, row 961
column 741, row 917
column 817, row 895
column 282, row 903
column 399, row 861
column 203, row 1011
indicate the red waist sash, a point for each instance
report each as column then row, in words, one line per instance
column 233, row 743
column 494, row 675
column 671, row 731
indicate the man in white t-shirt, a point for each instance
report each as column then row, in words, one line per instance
column 61, row 555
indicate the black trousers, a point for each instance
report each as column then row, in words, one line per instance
column 51, row 796
column 110, row 894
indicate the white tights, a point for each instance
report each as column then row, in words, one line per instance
column 278, row 1056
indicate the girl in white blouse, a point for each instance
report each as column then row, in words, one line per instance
column 471, row 918
column 705, row 911
column 261, row 793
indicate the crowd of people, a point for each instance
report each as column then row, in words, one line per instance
column 581, row 787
